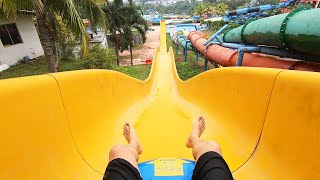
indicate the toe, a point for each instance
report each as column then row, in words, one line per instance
column 128, row 125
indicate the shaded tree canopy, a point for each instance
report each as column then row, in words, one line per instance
column 185, row 7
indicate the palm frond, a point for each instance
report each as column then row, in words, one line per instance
column 93, row 12
column 141, row 31
column 8, row 8
column 69, row 14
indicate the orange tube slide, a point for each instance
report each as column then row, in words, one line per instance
column 228, row 57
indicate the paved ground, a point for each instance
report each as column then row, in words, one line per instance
column 147, row 51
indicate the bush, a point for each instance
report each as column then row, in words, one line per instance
column 67, row 47
column 99, row 58
column 216, row 25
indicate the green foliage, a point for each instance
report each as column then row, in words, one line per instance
column 233, row 25
column 216, row 25
column 140, row 72
column 55, row 12
column 189, row 69
column 133, row 20
column 210, row 9
column 64, row 38
column 203, row 8
column 182, row 7
column 99, row 58
column 303, row 5
column 220, row 8
column 67, row 46
column 122, row 20
column 180, row 33
column 235, row 4
column 40, row 67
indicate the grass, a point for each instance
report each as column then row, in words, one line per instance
column 191, row 67
column 186, row 70
column 40, row 67
column 28, row 69
column 140, row 72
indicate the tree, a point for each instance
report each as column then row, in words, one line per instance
column 180, row 7
column 47, row 13
column 122, row 20
column 203, row 8
column 134, row 21
column 220, row 8
column 116, row 18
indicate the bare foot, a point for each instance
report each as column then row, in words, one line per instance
column 130, row 134
column 198, row 127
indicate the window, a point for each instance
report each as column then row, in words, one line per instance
column 9, row 34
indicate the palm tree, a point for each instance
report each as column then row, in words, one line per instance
column 134, row 22
column 122, row 20
column 220, row 8
column 47, row 11
column 203, row 8
column 116, row 19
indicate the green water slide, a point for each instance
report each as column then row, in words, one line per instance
column 297, row 31
column 182, row 40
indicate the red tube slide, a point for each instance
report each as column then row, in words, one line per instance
column 228, row 57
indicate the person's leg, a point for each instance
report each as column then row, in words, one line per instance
column 123, row 159
column 208, row 155
column 199, row 146
column 128, row 152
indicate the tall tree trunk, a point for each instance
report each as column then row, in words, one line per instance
column 44, row 35
column 57, row 62
column 131, row 54
column 116, row 48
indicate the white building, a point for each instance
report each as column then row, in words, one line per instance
column 18, row 38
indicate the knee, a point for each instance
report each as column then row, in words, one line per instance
column 205, row 146
column 117, row 149
column 215, row 147
column 122, row 150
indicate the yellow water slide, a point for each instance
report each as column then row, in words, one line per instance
column 62, row 125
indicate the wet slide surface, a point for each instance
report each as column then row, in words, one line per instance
column 61, row 126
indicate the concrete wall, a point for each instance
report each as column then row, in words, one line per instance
column 10, row 55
